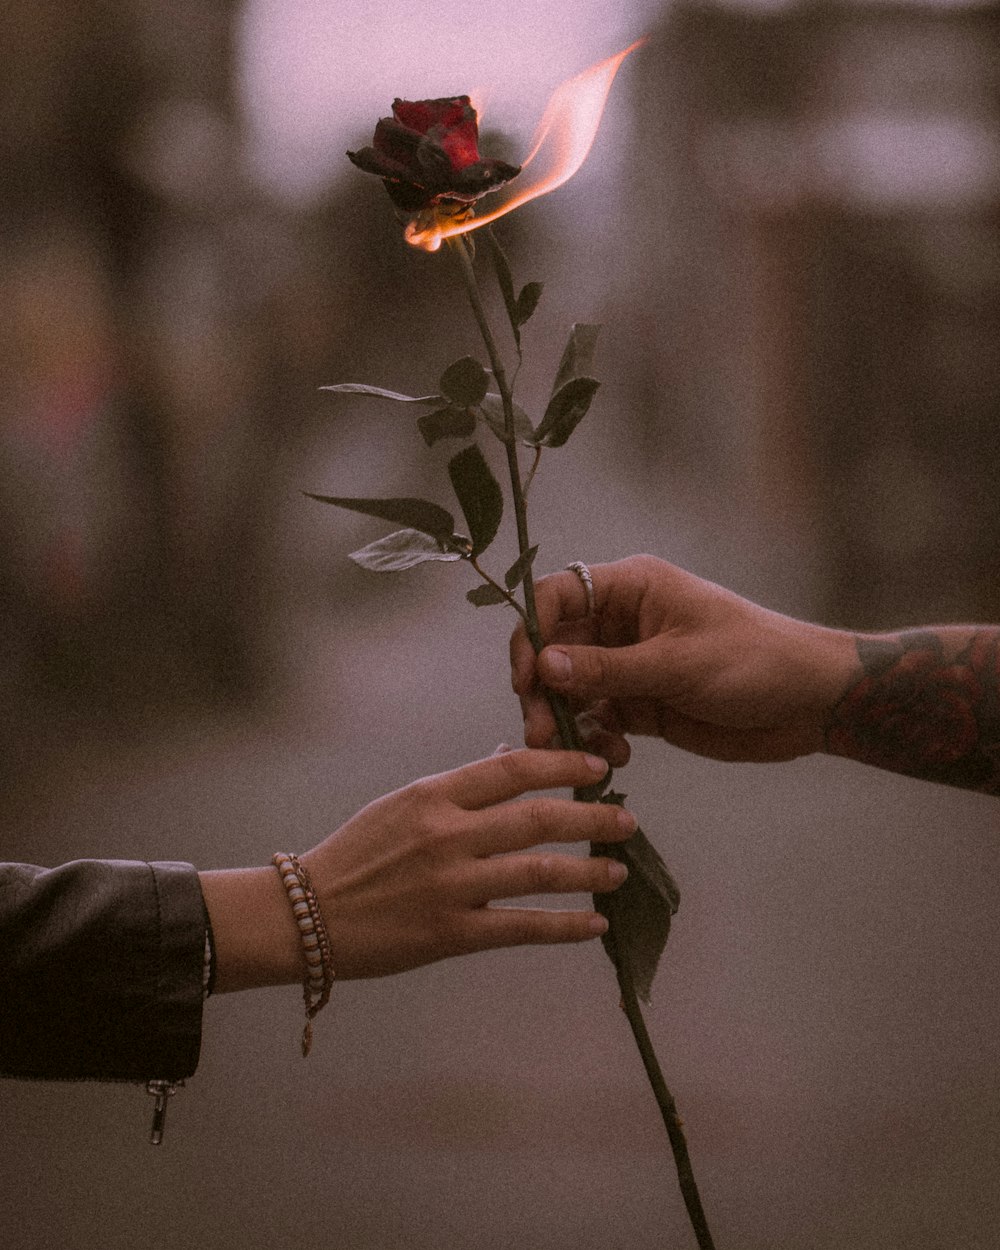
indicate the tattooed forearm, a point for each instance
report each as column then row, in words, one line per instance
column 926, row 703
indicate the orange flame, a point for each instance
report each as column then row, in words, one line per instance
column 563, row 141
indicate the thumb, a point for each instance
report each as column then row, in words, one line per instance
column 601, row 672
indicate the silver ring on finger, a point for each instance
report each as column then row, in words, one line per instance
column 583, row 573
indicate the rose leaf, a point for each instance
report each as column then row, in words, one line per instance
column 639, row 912
column 515, row 574
column 485, row 596
column 362, row 388
column 479, row 494
column 567, row 408
column 491, row 409
column 527, row 302
column 417, row 514
column 464, row 382
column 446, row 423
column 401, row 550
column 578, row 355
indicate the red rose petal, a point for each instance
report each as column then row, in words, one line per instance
column 460, row 142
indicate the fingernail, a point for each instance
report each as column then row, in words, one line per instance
column 617, row 872
column 598, row 924
column 558, row 664
column 626, row 821
column 597, row 765
column 502, row 749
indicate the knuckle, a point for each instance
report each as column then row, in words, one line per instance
column 420, row 794
column 421, row 815
column 596, row 666
column 430, row 834
column 514, row 764
column 545, row 872
column 537, row 816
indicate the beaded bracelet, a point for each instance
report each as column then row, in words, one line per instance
column 316, row 953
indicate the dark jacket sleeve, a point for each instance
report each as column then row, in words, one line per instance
column 101, row 967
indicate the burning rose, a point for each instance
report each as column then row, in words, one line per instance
column 427, row 153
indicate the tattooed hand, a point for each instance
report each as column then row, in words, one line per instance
column 669, row 655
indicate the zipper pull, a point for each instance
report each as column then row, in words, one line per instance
column 161, row 1091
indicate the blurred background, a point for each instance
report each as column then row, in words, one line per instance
column 789, row 228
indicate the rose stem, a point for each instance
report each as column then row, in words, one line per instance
column 664, row 1098
column 571, row 740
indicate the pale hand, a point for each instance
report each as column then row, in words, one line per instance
column 411, row 878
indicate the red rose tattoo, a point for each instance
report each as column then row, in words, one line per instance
column 427, row 153
column 928, row 706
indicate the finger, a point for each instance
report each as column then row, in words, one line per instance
column 539, row 722
column 492, row 927
column 590, row 673
column 503, row 777
column 600, row 729
column 609, row 746
column 516, row 826
column 619, row 587
column 522, row 661
column 562, row 617
column 561, row 597
column 514, row 876
column 603, row 734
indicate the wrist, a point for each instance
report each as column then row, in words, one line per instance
column 835, row 666
column 255, row 934
column 815, row 666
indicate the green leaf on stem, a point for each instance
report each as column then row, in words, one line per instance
column 485, row 596
column 578, row 355
column 446, row 423
column 527, row 302
column 402, row 550
column 519, row 307
column 464, row 382
column 479, row 494
column 418, row 514
column 362, row 388
column 639, row 912
column 515, row 574
column 491, row 410
column 567, row 408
